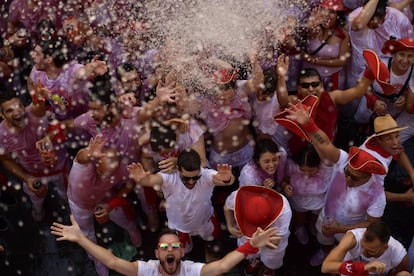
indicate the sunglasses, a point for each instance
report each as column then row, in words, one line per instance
column 353, row 177
column 188, row 178
column 314, row 84
column 173, row 245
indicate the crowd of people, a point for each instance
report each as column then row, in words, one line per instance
column 305, row 133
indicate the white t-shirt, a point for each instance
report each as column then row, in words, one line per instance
column 395, row 24
column 349, row 205
column 188, row 210
column 187, row 268
column 308, row 192
column 391, row 257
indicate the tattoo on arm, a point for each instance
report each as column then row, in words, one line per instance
column 319, row 138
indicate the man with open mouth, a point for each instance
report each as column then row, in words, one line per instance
column 169, row 253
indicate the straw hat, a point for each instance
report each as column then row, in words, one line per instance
column 385, row 125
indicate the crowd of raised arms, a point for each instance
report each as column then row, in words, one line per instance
column 299, row 121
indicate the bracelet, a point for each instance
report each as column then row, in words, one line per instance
column 247, row 249
column 310, row 126
column 353, row 268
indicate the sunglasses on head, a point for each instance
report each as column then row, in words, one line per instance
column 353, row 177
column 188, row 178
column 165, row 245
column 314, row 84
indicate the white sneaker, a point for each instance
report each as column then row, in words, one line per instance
column 318, row 258
column 302, row 235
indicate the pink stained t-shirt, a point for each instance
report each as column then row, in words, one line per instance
column 124, row 135
column 309, row 192
column 68, row 96
column 350, row 205
column 22, row 145
column 86, row 190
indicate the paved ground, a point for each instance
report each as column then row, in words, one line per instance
column 32, row 250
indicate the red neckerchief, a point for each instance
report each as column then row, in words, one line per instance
column 374, row 146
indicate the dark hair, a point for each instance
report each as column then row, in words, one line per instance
column 307, row 157
column 189, row 160
column 270, row 81
column 162, row 136
column 45, row 30
column 127, row 67
column 6, row 95
column 378, row 230
column 57, row 48
column 380, row 10
column 101, row 90
column 341, row 18
column 263, row 146
column 307, row 73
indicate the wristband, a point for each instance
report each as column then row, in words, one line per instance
column 310, row 127
column 353, row 268
column 371, row 99
column 247, row 249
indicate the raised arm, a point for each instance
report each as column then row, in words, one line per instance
column 361, row 20
column 281, row 90
column 143, row 178
column 92, row 69
column 328, row 153
column 257, row 79
column 224, row 176
column 74, row 234
column 93, row 151
column 260, row 238
column 165, row 94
